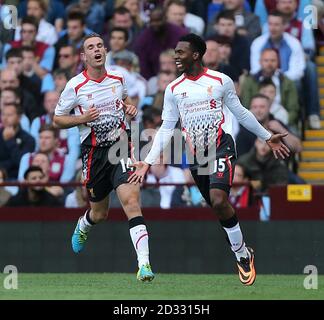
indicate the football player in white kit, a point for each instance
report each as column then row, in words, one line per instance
column 98, row 100
column 198, row 98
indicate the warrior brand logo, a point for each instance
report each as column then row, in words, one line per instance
column 210, row 90
column 184, row 95
column 113, row 89
column 89, row 96
column 212, row 104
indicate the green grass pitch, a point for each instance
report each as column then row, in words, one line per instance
column 165, row 286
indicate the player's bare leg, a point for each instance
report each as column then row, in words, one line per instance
column 244, row 255
column 129, row 196
column 98, row 211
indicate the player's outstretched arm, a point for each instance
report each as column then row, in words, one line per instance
column 277, row 146
column 69, row 121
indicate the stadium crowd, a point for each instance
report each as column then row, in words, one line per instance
column 263, row 45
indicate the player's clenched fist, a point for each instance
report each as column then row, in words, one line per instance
column 91, row 115
column 130, row 110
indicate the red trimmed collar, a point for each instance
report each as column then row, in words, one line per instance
column 95, row 80
column 194, row 78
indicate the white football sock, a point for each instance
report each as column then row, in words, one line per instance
column 85, row 225
column 236, row 239
column 140, row 238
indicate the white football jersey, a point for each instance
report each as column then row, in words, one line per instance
column 199, row 102
column 106, row 94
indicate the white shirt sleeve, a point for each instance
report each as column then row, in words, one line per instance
column 67, row 101
column 297, row 59
column 161, row 140
column 125, row 93
column 170, row 109
column 243, row 115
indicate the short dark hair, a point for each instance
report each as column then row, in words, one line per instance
column 89, row 36
column 225, row 14
column 197, row 44
column 74, row 49
column 180, row 3
column 30, row 20
column 15, row 91
column 277, row 13
column 266, row 82
column 76, row 15
column 32, row 169
column 49, row 127
column 220, row 39
column 261, row 96
column 27, row 48
column 119, row 29
column 63, row 72
column 13, row 53
column 121, row 10
column 16, row 106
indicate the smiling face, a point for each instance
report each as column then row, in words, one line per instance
column 184, row 56
column 94, row 54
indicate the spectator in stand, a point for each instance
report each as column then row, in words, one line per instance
column 11, row 96
column 286, row 92
column 240, row 195
column 93, row 12
column 319, row 32
column 79, row 197
column 118, row 39
column 164, row 78
column 68, row 139
column 156, row 100
column 14, row 58
column 68, row 59
column 176, row 13
column 264, row 7
column 216, row 6
column 55, row 13
column 44, row 53
column 260, row 107
column 268, row 88
column 122, row 18
column 125, row 60
column 292, row 63
column 41, row 160
column 294, row 25
column 159, row 36
column 60, row 78
column 4, row 193
column 46, row 31
column 262, row 166
column 9, row 79
column 61, row 168
column 247, row 23
column 14, row 142
column 213, row 61
column 166, row 64
column 240, row 55
column 33, row 196
column 73, row 35
column 133, row 6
